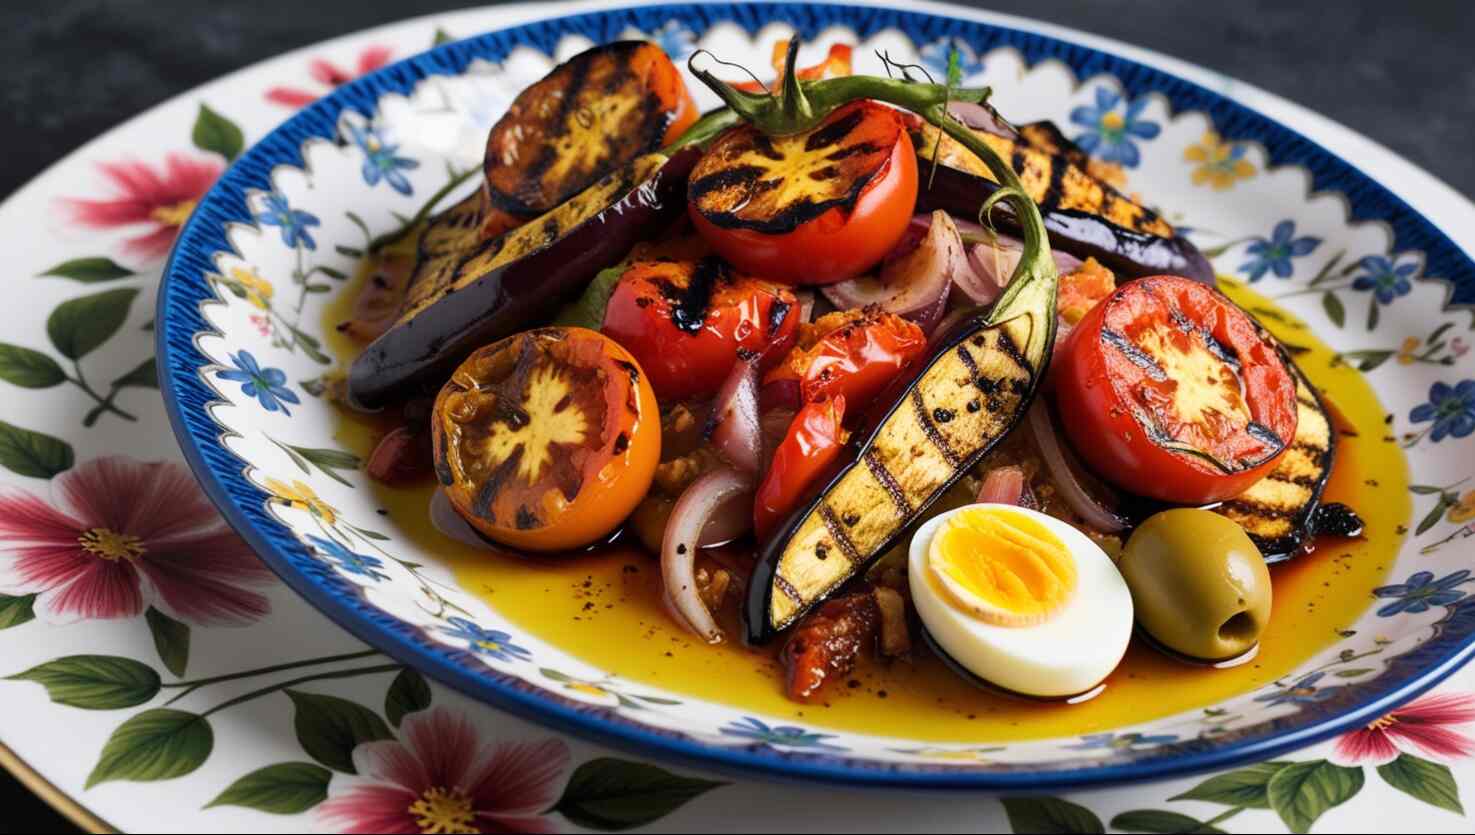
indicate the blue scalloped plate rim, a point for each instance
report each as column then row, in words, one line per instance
column 221, row 472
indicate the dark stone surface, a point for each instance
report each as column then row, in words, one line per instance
column 1398, row 72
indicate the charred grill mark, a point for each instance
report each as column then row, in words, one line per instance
column 525, row 518
column 1299, row 480
column 777, row 313
column 741, row 175
column 1264, row 435
column 829, row 172
column 969, row 363
column 689, row 308
column 782, row 584
column 835, row 131
column 1137, row 356
column 763, row 146
column 1006, row 344
column 837, row 533
column 851, row 150
column 888, row 482
column 617, row 77
column 493, row 484
column 632, row 401
column 930, row 430
column 443, row 473
column 1059, row 163
column 1313, row 450
column 1019, row 161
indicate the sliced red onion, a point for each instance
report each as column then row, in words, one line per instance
column 716, row 492
column 954, row 318
column 993, row 262
column 981, row 117
column 806, row 305
column 444, row 517
column 913, row 284
column 1058, row 461
column 733, row 426
column 1002, row 485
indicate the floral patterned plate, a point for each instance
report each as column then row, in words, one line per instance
column 153, row 684
column 241, row 355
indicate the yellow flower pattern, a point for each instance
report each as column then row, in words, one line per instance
column 1406, row 355
column 1463, row 510
column 258, row 290
column 1220, row 163
column 302, row 497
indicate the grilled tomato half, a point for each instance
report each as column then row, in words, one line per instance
column 591, row 114
column 1169, row 390
column 687, row 322
column 812, row 208
column 546, row 440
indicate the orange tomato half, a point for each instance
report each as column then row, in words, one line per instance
column 547, row 440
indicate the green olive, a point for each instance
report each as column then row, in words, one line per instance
column 1199, row 586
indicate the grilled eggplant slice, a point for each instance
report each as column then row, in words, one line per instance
column 464, row 297
column 1084, row 215
column 1282, row 510
column 971, row 391
column 592, row 114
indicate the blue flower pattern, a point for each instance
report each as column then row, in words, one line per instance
column 1110, row 132
column 493, row 643
column 935, row 57
column 292, row 222
column 267, row 385
column 352, row 562
column 380, row 160
column 1421, row 591
column 1303, row 691
column 1451, row 408
column 778, row 735
column 1384, row 279
column 1274, row 254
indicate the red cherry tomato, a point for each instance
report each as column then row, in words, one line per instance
column 814, row 440
column 813, row 208
column 1169, row 390
column 851, row 353
column 687, row 322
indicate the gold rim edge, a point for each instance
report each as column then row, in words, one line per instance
column 54, row 797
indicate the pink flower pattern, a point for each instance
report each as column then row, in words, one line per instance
column 331, row 76
column 124, row 534
column 1423, row 726
column 441, row 779
column 157, row 201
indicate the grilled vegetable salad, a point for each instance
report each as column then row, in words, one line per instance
column 803, row 326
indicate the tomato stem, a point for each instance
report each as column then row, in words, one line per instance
column 802, row 105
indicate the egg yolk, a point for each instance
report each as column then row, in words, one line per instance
column 1005, row 568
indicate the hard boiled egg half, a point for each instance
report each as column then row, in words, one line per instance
column 1020, row 599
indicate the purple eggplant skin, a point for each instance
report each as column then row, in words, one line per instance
column 417, row 355
column 1126, row 253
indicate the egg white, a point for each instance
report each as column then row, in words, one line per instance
column 1068, row 654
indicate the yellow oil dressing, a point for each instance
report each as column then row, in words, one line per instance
column 605, row 608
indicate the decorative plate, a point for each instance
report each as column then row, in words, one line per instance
column 240, row 351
